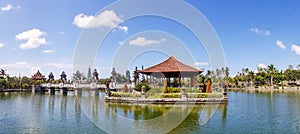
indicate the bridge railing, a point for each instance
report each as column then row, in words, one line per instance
column 83, row 85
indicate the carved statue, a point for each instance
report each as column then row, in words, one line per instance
column 95, row 74
column 63, row 76
column 135, row 75
column 208, row 86
column 113, row 74
column 51, row 77
column 2, row 73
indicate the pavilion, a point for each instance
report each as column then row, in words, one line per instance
column 38, row 76
column 172, row 68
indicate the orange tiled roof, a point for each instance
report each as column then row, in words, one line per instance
column 171, row 65
column 38, row 76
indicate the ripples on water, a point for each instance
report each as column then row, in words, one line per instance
column 244, row 113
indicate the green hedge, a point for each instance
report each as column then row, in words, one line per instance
column 204, row 95
column 154, row 91
column 120, row 94
column 193, row 90
column 139, row 86
column 171, row 95
column 173, row 90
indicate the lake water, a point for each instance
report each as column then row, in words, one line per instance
column 244, row 113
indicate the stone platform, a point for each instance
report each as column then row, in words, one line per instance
column 167, row 100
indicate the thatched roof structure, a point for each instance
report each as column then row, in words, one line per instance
column 171, row 68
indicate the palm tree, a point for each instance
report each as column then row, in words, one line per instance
column 271, row 71
column 298, row 66
column 271, row 67
column 227, row 71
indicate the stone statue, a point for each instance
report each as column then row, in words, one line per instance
column 63, row 76
column 95, row 74
column 136, row 76
column 113, row 74
column 208, row 86
column 2, row 73
column 113, row 77
column 51, row 77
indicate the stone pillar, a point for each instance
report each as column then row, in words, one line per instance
column 193, row 80
column 63, row 91
column 179, row 80
column 95, row 91
column 33, row 88
column 78, row 91
column 183, row 93
column 165, row 90
column 143, row 94
column 52, row 90
column 37, row 88
column 147, row 79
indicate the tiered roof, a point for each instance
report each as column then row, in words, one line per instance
column 38, row 76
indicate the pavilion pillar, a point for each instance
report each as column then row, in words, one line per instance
column 151, row 80
column 193, row 80
column 147, row 79
column 179, row 80
column 168, row 81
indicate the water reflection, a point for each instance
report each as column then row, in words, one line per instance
column 77, row 110
column 46, row 113
column 63, row 107
column 244, row 113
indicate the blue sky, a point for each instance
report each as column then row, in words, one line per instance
column 44, row 35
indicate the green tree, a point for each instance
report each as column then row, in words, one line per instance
column 298, row 66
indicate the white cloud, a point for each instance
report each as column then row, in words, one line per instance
column 280, row 44
column 141, row 41
column 34, row 69
column 7, row 7
column 123, row 28
column 260, row 65
column 33, row 38
column 28, row 69
column 201, row 63
column 61, row 33
column 16, row 65
column 48, row 51
column 1, row 45
column 295, row 48
column 26, row 65
column 59, row 65
column 267, row 33
column 107, row 18
column 121, row 42
column 260, row 32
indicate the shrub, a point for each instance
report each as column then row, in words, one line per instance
column 154, row 91
column 119, row 94
column 173, row 90
column 139, row 86
column 193, row 90
column 171, row 95
column 204, row 95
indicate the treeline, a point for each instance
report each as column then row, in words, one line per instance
column 8, row 82
column 268, row 76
